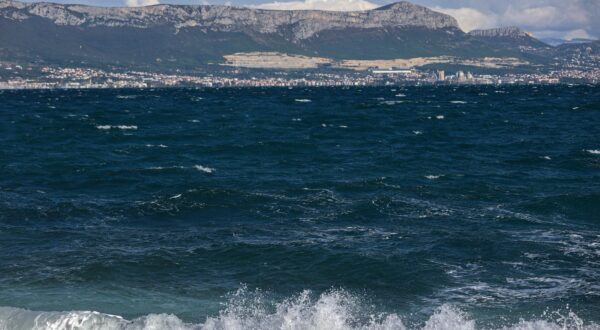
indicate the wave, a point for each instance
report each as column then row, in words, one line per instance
column 121, row 127
column 332, row 310
column 204, row 169
column 391, row 102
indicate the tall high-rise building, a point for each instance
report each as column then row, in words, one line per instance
column 441, row 75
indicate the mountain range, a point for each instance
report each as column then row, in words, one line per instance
column 185, row 36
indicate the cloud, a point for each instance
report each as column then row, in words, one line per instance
column 544, row 18
column 331, row 5
column 139, row 3
column 577, row 34
column 470, row 18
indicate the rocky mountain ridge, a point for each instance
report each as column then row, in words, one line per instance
column 510, row 31
column 186, row 37
column 301, row 24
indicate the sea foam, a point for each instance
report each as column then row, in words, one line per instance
column 204, row 169
column 332, row 310
column 122, row 127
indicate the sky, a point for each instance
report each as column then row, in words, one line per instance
column 565, row 19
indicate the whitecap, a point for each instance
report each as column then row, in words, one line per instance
column 303, row 100
column 126, row 127
column 21, row 319
column 121, row 127
column 417, row 132
column 458, row 102
column 433, row 177
column 392, row 102
column 594, row 151
column 440, row 117
column 204, row 169
column 158, row 168
column 331, row 310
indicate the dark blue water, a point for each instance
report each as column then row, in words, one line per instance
column 326, row 208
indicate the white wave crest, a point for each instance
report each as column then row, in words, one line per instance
column 332, row 310
column 204, row 169
column 21, row 319
column 594, row 151
column 122, row 127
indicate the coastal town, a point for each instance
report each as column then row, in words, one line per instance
column 49, row 77
column 396, row 44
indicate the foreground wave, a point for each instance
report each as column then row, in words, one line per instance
column 333, row 310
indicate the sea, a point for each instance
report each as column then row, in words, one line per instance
column 465, row 207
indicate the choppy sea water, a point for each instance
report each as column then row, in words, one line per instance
column 326, row 208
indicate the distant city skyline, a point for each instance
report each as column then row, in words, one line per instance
column 566, row 19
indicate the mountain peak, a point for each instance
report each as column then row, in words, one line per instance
column 400, row 5
column 303, row 23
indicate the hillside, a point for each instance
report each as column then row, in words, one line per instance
column 190, row 36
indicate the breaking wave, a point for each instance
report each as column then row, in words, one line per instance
column 204, row 169
column 121, row 127
column 333, row 310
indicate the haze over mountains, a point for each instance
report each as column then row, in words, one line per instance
column 189, row 36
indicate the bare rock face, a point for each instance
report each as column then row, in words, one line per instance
column 510, row 32
column 301, row 23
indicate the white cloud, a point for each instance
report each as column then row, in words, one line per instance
column 540, row 17
column 470, row 18
column 332, row 5
column 554, row 19
column 139, row 3
column 578, row 34
column 564, row 34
